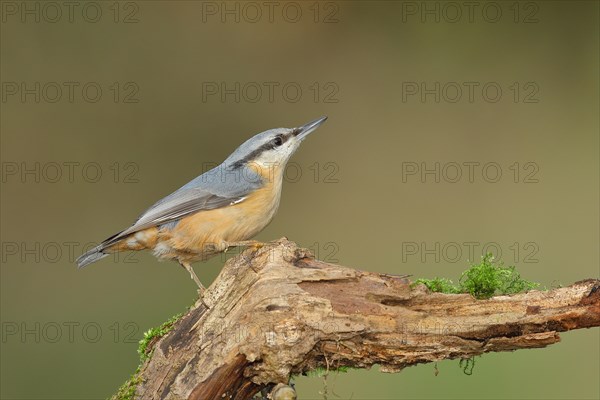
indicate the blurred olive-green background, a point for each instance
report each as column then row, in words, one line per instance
column 183, row 83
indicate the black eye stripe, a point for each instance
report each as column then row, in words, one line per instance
column 266, row 146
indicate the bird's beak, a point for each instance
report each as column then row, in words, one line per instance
column 303, row 131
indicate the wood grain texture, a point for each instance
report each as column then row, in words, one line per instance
column 278, row 311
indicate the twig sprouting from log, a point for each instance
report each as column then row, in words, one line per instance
column 277, row 311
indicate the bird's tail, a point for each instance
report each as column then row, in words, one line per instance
column 98, row 252
column 90, row 256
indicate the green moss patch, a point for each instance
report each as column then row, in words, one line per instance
column 151, row 336
column 483, row 280
column 127, row 390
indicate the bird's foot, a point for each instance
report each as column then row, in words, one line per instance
column 201, row 298
column 201, row 292
column 254, row 244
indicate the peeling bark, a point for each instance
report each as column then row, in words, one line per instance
column 277, row 311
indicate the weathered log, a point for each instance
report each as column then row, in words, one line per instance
column 277, row 311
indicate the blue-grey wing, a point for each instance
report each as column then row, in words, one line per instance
column 219, row 187
column 181, row 204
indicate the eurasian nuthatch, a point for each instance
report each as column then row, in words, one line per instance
column 221, row 208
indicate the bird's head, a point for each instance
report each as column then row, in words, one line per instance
column 272, row 148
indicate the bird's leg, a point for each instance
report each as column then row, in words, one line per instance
column 201, row 288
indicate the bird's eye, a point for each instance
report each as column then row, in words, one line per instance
column 278, row 141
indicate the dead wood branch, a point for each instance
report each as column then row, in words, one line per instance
column 277, row 311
